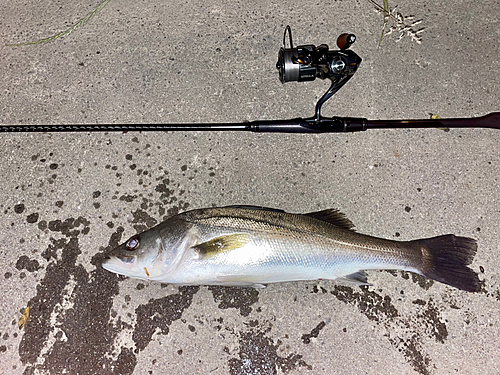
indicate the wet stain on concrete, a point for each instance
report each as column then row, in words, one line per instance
column 142, row 220
column 69, row 329
column 306, row 338
column 414, row 354
column 235, row 298
column 425, row 323
column 371, row 304
column 70, row 226
column 163, row 189
column 19, row 208
column 25, row 263
column 422, row 281
column 159, row 314
column 258, row 354
column 430, row 316
column 73, row 328
column 32, row 218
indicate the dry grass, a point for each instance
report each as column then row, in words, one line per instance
column 68, row 31
column 404, row 25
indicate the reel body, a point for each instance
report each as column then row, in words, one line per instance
column 308, row 62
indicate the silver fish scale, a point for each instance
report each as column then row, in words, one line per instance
column 250, row 247
column 299, row 241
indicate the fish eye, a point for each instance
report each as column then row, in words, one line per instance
column 132, row 244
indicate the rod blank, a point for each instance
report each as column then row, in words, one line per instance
column 298, row 125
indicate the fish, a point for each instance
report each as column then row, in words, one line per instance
column 248, row 246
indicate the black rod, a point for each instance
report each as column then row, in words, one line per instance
column 491, row 120
column 298, row 125
column 119, row 127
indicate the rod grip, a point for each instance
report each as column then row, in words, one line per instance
column 491, row 120
column 311, row 125
column 298, row 125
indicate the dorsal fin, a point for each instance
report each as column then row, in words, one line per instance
column 334, row 217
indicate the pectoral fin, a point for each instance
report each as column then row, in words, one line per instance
column 222, row 244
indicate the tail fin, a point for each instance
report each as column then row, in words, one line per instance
column 445, row 259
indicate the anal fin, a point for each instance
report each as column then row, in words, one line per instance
column 357, row 278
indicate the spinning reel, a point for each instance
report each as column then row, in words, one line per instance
column 308, row 62
column 302, row 63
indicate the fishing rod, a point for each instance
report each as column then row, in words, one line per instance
column 299, row 64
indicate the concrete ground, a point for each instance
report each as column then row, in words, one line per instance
column 67, row 199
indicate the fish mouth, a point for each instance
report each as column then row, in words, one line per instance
column 109, row 263
column 118, row 265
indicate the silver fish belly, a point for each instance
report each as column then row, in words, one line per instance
column 249, row 246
